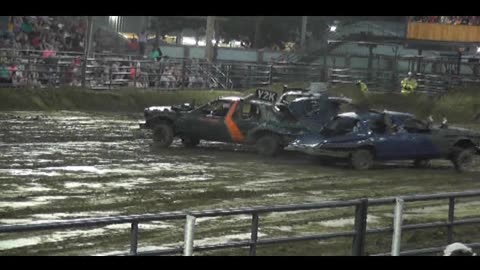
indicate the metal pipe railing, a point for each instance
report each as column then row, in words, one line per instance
column 359, row 233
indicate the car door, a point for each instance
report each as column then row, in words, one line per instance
column 404, row 143
column 208, row 122
column 344, row 132
column 245, row 117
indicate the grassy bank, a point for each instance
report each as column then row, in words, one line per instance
column 460, row 105
column 125, row 100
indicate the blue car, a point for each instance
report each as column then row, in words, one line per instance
column 363, row 138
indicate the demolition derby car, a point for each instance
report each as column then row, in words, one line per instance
column 258, row 119
column 365, row 137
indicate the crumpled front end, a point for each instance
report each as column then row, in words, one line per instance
column 313, row 144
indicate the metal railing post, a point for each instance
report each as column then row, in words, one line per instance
column 182, row 86
column 397, row 227
column 189, row 235
column 134, row 75
column 358, row 244
column 270, row 75
column 254, row 235
column 134, row 238
column 451, row 218
column 28, row 71
column 110, row 76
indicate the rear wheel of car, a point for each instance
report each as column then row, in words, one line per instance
column 268, row 145
column 421, row 163
column 361, row 159
column 190, row 142
column 463, row 159
column 163, row 135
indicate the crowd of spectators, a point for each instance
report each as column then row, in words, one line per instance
column 44, row 33
column 35, row 41
column 455, row 20
column 164, row 73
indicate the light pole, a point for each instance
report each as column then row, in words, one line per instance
column 87, row 46
column 303, row 33
column 209, row 36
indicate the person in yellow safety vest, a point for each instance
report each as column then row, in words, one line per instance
column 409, row 84
column 363, row 87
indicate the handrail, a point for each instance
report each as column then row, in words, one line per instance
column 359, row 233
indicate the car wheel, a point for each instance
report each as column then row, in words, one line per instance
column 361, row 159
column 190, row 142
column 421, row 163
column 463, row 159
column 268, row 145
column 163, row 135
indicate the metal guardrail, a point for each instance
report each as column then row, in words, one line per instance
column 181, row 73
column 433, row 84
column 358, row 234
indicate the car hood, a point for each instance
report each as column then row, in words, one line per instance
column 159, row 108
column 458, row 131
column 177, row 108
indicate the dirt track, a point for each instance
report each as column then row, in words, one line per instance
column 69, row 165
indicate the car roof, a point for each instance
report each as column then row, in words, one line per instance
column 371, row 113
column 230, row 98
column 392, row 113
column 341, row 99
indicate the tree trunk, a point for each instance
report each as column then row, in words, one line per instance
column 258, row 33
column 303, row 33
column 209, row 37
column 157, row 38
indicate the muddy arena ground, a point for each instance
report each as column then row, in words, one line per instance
column 67, row 165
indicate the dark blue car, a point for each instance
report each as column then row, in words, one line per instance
column 365, row 137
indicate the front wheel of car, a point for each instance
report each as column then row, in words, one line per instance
column 421, row 163
column 163, row 135
column 463, row 159
column 361, row 159
column 268, row 145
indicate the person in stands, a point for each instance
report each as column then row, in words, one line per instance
column 142, row 40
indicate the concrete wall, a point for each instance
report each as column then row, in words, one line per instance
column 224, row 54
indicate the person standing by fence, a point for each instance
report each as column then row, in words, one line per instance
column 409, row 84
column 362, row 87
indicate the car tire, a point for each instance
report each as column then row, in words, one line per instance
column 268, row 145
column 463, row 159
column 190, row 142
column 361, row 159
column 421, row 163
column 163, row 135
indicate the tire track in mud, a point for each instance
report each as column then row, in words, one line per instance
column 69, row 164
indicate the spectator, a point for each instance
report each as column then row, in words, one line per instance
column 156, row 54
column 4, row 75
column 133, row 45
column 11, row 24
column 142, row 42
column 456, row 20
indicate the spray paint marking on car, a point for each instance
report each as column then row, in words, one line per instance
column 233, row 129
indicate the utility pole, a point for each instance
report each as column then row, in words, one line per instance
column 87, row 47
column 209, row 36
column 303, row 34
